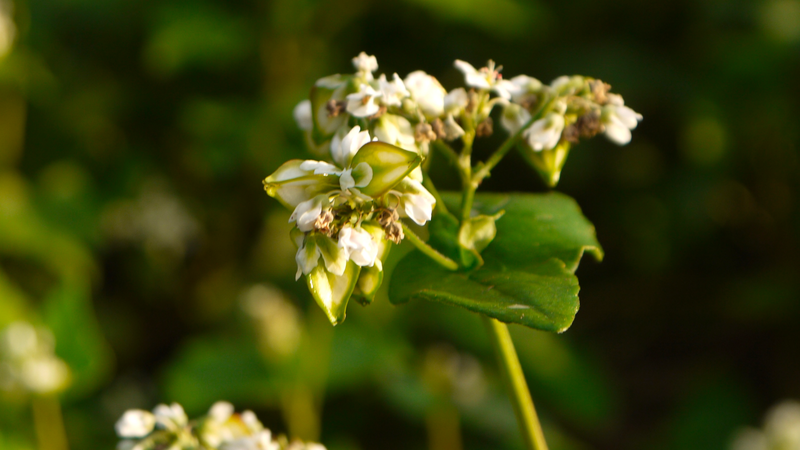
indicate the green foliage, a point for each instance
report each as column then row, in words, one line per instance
column 529, row 271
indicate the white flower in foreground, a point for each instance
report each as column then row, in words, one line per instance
column 545, row 133
column 170, row 417
column 362, row 103
column 514, row 117
column 358, row 245
column 427, row 92
column 343, row 148
column 302, row 115
column 619, row 120
column 307, row 212
column 521, row 86
column 416, row 202
column 135, row 423
column 392, row 92
column 365, row 65
column 455, row 101
column 485, row 78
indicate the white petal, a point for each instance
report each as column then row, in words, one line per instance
column 617, row 132
column 221, row 411
column 306, row 213
column 346, row 180
column 362, row 175
column 456, row 100
column 465, row 67
column 365, row 63
column 319, row 167
column 135, row 423
column 307, row 257
column 302, row 115
column 627, row 116
column 418, row 208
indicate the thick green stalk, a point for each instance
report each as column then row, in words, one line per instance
column 429, row 251
column 518, row 388
column 49, row 423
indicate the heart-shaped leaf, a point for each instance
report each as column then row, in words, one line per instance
column 528, row 276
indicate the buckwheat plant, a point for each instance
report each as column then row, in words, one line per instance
column 168, row 428
column 375, row 137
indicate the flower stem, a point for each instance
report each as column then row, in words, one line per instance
column 518, row 388
column 49, row 423
column 484, row 169
column 429, row 251
column 426, row 181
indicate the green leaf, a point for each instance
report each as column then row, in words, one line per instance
column 389, row 163
column 528, row 276
column 332, row 292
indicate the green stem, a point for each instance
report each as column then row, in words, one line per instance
column 518, row 388
column 447, row 151
column 49, row 423
column 497, row 156
column 429, row 251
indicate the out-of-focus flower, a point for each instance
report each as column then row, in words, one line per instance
column 619, row 120
column 277, row 320
column 28, row 362
column 488, row 78
column 220, row 429
column 8, row 30
column 392, row 92
column 781, row 430
column 365, row 65
column 545, row 133
column 362, row 103
column 427, row 92
column 302, row 115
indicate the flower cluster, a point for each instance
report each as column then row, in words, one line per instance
column 28, row 362
column 168, row 427
column 567, row 110
column 781, row 430
column 374, row 135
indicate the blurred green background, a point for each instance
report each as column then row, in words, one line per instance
column 134, row 135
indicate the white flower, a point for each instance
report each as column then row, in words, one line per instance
column 19, row 340
column 135, row 423
column 302, row 115
column 343, row 148
column 619, row 120
column 170, row 417
column 311, row 247
column 392, row 92
column 359, row 246
column 365, row 65
column 522, row 85
column 307, row 212
column 396, row 130
column 220, row 411
column 782, row 425
column 455, row 101
column 427, row 92
column 416, row 201
column 514, row 117
column 362, row 103
column 545, row 133
column 452, row 130
column 259, row 441
column 566, row 85
column 44, row 374
column 485, row 78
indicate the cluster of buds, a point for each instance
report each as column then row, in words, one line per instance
column 567, row 110
column 28, row 362
column 168, row 427
column 373, row 135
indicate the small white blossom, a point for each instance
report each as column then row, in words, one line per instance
column 392, row 92
column 514, row 117
column 343, row 148
column 220, row 411
column 170, row 417
column 545, row 133
column 416, row 202
column 455, row 101
column 307, row 212
column 486, row 78
column 619, row 120
column 302, row 115
column 135, row 423
column 365, row 65
column 522, row 85
column 396, row 130
column 427, row 92
column 452, row 129
column 259, row 441
column 359, row 246
column 362, row 103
